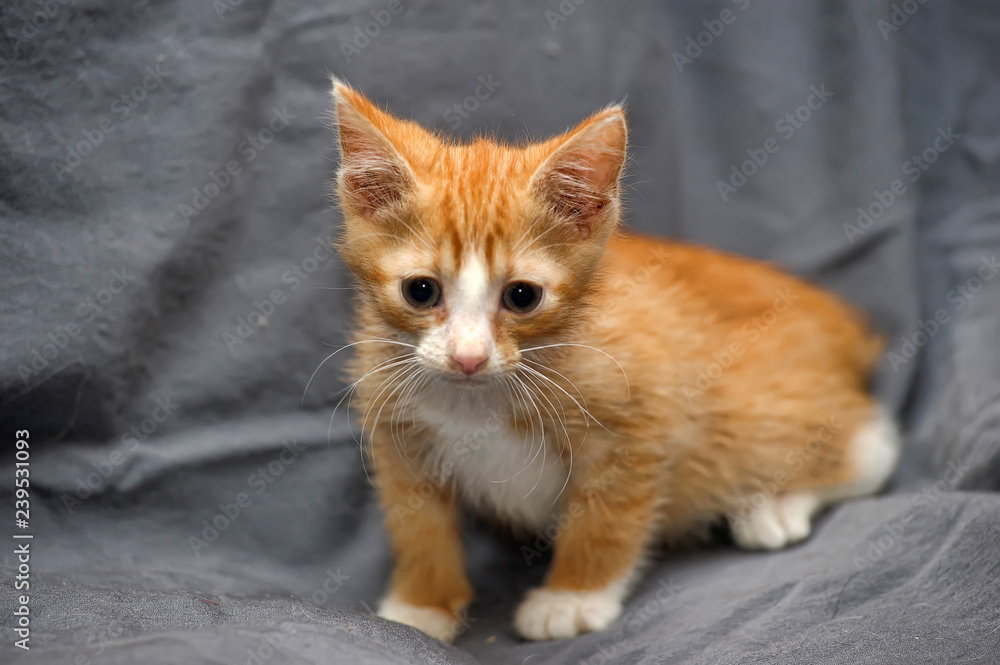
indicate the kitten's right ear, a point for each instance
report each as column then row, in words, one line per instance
column 580, row 178
column 373, row 175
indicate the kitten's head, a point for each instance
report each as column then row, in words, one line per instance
column 474, row 252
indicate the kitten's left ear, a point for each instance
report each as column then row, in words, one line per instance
column 579, row 179
column 373, row 175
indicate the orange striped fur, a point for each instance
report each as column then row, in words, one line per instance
column 679, row 387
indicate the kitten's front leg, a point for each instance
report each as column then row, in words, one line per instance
column 597, row 552
column 429, row 589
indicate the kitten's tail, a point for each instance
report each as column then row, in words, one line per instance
column 867, row 345
column 872, row 349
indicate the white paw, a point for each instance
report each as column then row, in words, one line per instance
column 554, row 615
column 437, row 623
column 777, row 522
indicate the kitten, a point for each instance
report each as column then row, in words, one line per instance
column 519, row 355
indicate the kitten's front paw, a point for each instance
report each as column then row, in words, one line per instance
column 778, row 522
column 436, row 622
column 554, row 615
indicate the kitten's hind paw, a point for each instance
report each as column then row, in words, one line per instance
column 778, row 522
column 554, row 615
column 434, row 621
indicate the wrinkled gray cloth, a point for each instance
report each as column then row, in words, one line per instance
column 168, row 291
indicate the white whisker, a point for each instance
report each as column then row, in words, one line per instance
column 347, row 346
column 521, row 250
column 403, row 389
column 522, row 399
column 381, row 388
column 588, row 416
column 378, row 415
column 569, row 440
column 555, row 416
column 349, row 394
column 541, row 426
column 592, row 348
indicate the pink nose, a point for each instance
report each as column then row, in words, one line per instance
column 470, row 364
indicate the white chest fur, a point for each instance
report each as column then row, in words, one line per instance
column 494, row 469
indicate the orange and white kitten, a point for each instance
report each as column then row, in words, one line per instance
column 518, row 355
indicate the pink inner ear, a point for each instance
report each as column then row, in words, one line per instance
column 580, row 193
column 580, row 205
column 581, row 179
column 370, row 172
column 373, row 189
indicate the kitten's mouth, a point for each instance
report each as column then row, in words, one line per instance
column 468, row 381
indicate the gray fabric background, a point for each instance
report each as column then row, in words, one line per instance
column 905, row 578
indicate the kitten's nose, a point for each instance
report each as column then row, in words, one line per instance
column 470, row 364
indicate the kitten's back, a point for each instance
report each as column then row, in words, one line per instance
column 651, row 281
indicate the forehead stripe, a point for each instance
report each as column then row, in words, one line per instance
column 457, row 249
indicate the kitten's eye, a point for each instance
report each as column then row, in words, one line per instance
column 422, row 292
column 522, row 297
